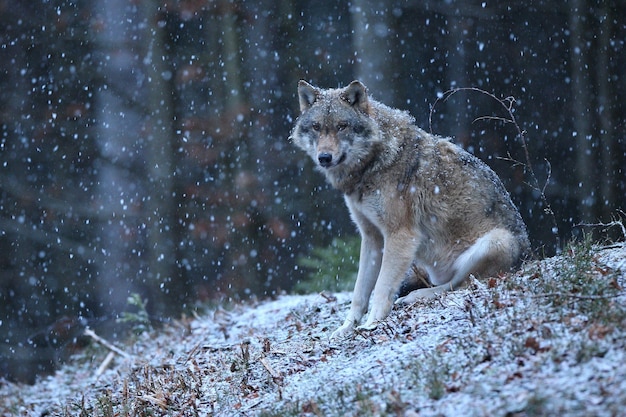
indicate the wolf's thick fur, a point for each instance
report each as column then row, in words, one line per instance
column 416, row 199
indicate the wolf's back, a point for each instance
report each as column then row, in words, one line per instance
column 455, row 188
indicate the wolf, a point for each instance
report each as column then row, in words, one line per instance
column 419, row 201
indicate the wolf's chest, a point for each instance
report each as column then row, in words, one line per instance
column 379, row 208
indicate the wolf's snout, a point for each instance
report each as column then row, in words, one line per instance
column 325, row 159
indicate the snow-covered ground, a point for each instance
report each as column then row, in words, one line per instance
column 549, row 340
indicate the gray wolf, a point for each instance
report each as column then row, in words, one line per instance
column 419, row 200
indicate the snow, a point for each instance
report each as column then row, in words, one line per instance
column 505, row 346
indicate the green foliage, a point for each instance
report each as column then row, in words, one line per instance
column 429, row 375
column 584, row 285
column 105, row 404
column 139, row 319
column 291, row 409
column 436, row 377
column 332, row 268
column 536, row 405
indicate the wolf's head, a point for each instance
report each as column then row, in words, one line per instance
column 335, row 127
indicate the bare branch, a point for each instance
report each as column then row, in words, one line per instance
column 492, row 118
column 576, row 296
column 547, row 177
column 618, row 222
column 507, row 104
column 105, row 343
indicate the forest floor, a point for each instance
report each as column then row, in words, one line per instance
column 547, row 340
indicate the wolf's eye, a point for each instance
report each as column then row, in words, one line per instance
column 316, row 126
column 342, row 126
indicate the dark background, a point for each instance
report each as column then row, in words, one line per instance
column 144, row 148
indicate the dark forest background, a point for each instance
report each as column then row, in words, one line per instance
column 143, row 143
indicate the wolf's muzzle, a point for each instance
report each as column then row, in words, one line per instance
column 325, row 159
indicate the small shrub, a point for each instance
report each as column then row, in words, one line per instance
column 139, row 319
column 580, row 282
column 331, row 268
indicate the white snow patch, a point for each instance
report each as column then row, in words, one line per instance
column 499, row 347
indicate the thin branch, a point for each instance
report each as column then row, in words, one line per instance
column 615, row 223
column 105, row 363
column 276, row 376
column 576, row 296
column 545, row 184
column 105, row 343
column 512, row 160
column 507, row 104
column 493, row 118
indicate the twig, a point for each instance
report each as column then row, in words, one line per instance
column 276, row 376
column 421, row 276
column 159, row 402
column 105, row 363
column 616, row 222
column 496, row 118
column 543, row 189
column 192, row 352
column 329, row 297
column 254, row 404
column 576, row 296
column 108, row 345
column 507, row 103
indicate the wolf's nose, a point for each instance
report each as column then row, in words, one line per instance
column 325, row 159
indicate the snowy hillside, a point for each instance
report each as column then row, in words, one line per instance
column 549, row 340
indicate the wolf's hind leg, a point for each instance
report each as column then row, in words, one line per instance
column 493, row 252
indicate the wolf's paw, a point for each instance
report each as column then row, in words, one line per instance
column 421, row 294
column 367, row 327
column 345, row 331
column 406, row 300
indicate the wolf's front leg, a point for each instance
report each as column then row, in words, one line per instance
column 369, row 266
column 398, row 254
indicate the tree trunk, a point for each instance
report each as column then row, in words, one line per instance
column 164, row 286
column 117, row 132
column 605, row 109
column 371, row 30
column 581, row 96
column 135, row 127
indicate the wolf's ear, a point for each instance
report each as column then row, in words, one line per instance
column 356, row 95
column 307, row 95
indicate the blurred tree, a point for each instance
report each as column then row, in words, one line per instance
column 167, row 290
column 144, row 144
column 136, row 113
column 47, row 151
column 373, row 29
column 582, row 97
column 606, row 111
